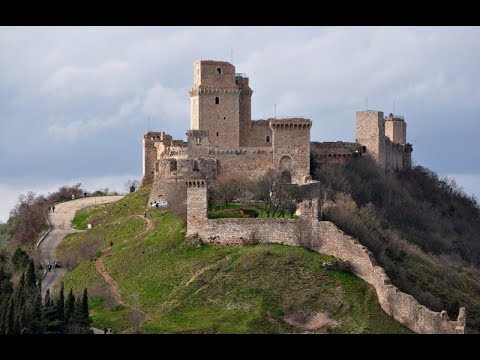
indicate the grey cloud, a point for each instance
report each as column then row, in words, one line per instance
column 76, row 100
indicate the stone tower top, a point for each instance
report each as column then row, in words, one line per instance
column 213, row 74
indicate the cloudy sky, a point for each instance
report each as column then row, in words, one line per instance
column 74, row 101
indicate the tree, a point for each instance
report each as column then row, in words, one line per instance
column 6, row 285
column 272, row 195
column 20, row 259
column 85, row 317
column 226, row 189
column 31, row 280
column 46, row 300
column 60, row 307
column 132, row 185
column 10, row 317
column 69, row 307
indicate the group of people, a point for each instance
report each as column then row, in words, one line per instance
column 108, row 331
column 51, row 208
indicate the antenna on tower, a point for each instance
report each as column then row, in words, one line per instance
column 393, row 110
column 148, row 123
column 275, row 111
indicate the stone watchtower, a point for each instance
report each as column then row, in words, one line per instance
column 396, row 129
column 215, row 102
column 370, row 131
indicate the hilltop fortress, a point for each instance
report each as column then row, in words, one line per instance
column 223, row 139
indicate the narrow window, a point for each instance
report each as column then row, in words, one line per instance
column 224, row 118
column 219, row 71
column 217, row 133
column 198, row 141
column 267, row 139
column 364, row 149
column 217, row 100
column 195, row 165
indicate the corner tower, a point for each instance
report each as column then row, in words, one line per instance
column 396, row 129
column 370, row 132
column 215, row 99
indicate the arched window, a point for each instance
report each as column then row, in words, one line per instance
column 217, row 133
column 219, row 71
column 267, row 139
column 217, row 100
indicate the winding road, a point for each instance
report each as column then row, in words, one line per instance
column 60, row 221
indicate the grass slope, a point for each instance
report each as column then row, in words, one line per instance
column 212, row 288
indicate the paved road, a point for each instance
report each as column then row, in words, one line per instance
column 61, row 225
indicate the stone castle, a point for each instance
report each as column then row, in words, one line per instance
column 223, row 139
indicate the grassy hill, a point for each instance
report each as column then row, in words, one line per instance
column 171, row 285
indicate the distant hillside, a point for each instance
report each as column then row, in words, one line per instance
column 171, row 285
column 422, row 229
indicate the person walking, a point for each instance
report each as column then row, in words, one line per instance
column 53, row 208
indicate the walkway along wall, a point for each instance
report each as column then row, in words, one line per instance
column 324, row 237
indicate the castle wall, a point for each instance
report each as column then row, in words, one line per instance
column 245, row 162
column 402, row 307
column 334, row 152
column 291, row 145
column 256, row 133
column 394, row 154
column 324, row 237
column 171, row 190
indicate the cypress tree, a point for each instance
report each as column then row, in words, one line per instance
column 3, row 313
column 9, row 324
column 31, row 278
column 19, row 302
column 85, row 316
column 46, row 300
column 60, row 307
column 69, row 307
column 6, row 286
column 36, row 311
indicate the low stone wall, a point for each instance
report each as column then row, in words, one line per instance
column 402, row 307
column 237, row 231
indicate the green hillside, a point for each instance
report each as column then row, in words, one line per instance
column 179, row 286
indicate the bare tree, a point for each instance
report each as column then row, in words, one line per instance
column 132, row 185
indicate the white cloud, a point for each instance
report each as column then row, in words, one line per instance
column 169, row 106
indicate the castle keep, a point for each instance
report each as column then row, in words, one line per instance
column 223, row 139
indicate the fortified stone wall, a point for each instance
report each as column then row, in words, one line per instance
column 394, row 155
column 245, row 162
column 171, row 190
column 402, row 307
column 257, row 134
column 334, row 152
column 291, row 147
column 324, row 237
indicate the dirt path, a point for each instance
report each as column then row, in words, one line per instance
column 112, row 284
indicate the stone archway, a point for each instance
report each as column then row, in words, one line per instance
column 285, row 163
